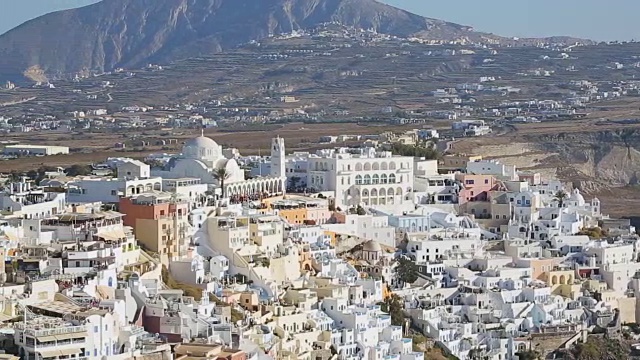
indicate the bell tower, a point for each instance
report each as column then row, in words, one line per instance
column 278, row 157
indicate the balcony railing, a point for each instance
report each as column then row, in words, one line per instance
column 49, row 332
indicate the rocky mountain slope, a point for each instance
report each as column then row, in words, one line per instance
column 592, row 160
column 131, row 33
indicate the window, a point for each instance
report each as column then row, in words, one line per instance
column 486, row 181
column 164, row 226
column 114, row 192
column 161, row 212
column 469, row 182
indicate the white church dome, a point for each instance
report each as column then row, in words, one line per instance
column 577, row 197
column 202, row 148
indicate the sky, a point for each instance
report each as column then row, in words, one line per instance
column 592, row 19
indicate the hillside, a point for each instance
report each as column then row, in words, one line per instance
column 131, row 33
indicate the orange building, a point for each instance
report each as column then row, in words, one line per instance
column 159, row 221
column 539, row 266
column 302, row 210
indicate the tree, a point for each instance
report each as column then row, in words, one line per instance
column 360, row 210
column 528, row 355
column 561, row 196
column 78, row 170
column 222, row 175
column 393, row 306
column 293, row 182
column 407, row 270
column 14, row 176
column 594, row 232
column 428, row 151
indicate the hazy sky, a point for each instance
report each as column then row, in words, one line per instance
column 594, row 19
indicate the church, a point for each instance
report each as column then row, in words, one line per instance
column 201, row 158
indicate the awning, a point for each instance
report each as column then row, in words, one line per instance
column 49, row 353
column 113, row 235
column 73, row 351
column 77, row 335
column 46, row 338
column 11, row 236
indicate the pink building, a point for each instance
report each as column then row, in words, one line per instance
column 476, row 187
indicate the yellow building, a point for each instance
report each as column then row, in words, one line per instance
column 561, row 282
column 560, row 277
column 294, row 216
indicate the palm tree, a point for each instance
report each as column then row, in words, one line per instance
column 561, row 196
column 221, row 174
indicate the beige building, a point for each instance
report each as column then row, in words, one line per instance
column 266, row 232
column 304, row 299
column 456, row 162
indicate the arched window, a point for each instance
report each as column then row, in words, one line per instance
column 367, row 179
column 367, row 166
column 392, row 179
column 375, row 179
column 374, row 193
column 358, row 166
column 392, row 165
column 383, row 179
column 375, row 166
column 358, row 179
column 384, row 166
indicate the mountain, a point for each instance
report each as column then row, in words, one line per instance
column 130, row 33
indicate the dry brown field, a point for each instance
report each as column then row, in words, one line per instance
column 96, row 147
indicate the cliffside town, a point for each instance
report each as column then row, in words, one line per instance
column 369, row 252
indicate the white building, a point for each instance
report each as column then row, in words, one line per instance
column 201, row 157
column 373, row 227
column 492, row 167
column 23, row 200
column 367, row 178
column 35, row 150
column 109, row 190
column 188, row 188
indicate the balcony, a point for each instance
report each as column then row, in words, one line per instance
column 80, row 330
